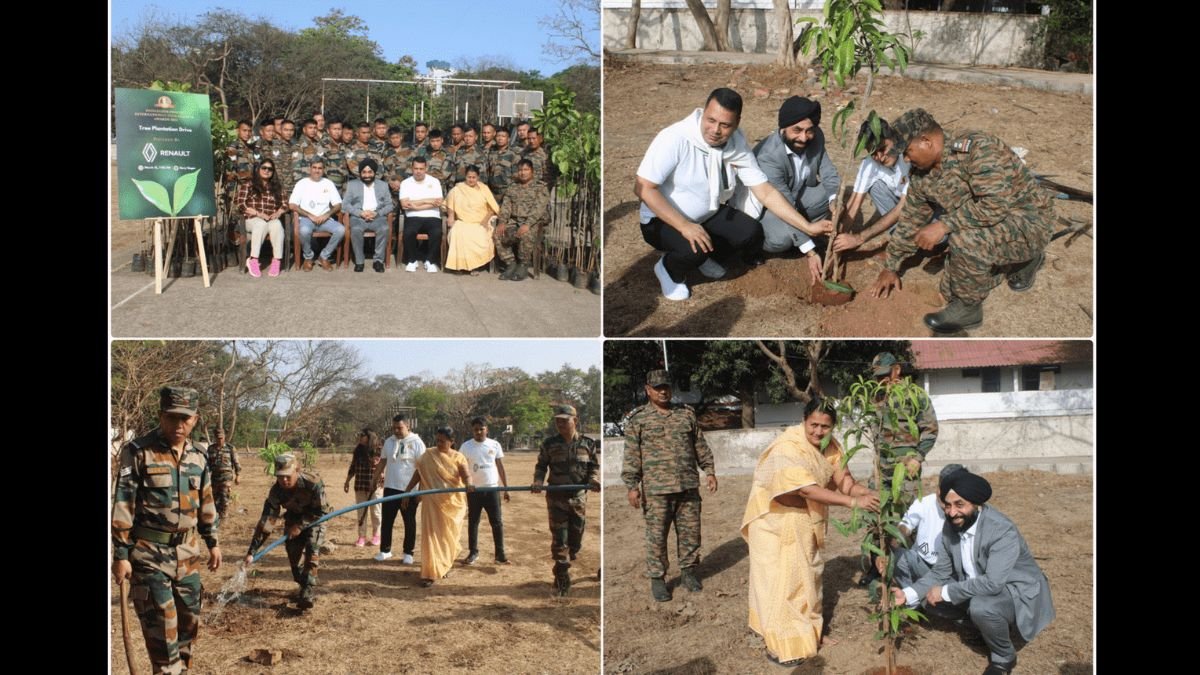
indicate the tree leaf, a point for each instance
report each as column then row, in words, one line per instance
column 870, row 547
column 185, row 187
column 895, row 532
column 895, row 621
column 155, row 194
column 897, row 480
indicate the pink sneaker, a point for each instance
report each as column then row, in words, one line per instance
column 274, row 271
column 362, row 541
column 255, row 270
column 375, row 540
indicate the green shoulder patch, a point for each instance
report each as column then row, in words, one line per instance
column 962, row 145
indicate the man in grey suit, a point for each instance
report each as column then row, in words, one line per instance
column 985, row 571
column 796, row 163
column 368, row 202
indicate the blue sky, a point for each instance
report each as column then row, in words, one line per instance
column 507, row 31
column 410, row 357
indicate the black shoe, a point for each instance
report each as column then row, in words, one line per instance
column 957, row 316
column 521, row 273
column 659, row 590
column 508, row 271
column 378, row 266
column 471, row 559
column 1000, row 668
column 562, row 579
column 1022, row 278
column 306, row 598
column 689, row 580
column 358, row 267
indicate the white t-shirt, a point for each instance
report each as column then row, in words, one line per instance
column 430, row 188
column 896, row 178
column 316, row 197
column 677, row 162
column 401, row 456
column 369, row 201
column 926, row 518
column 482, row 457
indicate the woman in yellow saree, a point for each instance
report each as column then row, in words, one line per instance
column 784, row 524
column 471, row 210
column 441, row 514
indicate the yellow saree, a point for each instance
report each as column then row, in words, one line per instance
column 471, row 243
column 441, row 514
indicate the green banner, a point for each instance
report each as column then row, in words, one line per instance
column 164, row 155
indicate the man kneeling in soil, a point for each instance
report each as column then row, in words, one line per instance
column 688, row 174
column 984, row 571
column 997, row 218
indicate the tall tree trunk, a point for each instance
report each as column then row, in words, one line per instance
column 783, row 15
column 747, row 396
column 635, row 15
column 721, row 25
column 707, row 31
column 816, row 352
column 789, row 374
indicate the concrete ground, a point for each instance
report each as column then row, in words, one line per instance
column 343, row 303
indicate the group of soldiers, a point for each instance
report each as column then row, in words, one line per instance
column 171, row 495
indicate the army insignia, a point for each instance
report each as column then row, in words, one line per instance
column 963, row 146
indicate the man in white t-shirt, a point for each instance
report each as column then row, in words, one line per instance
column 925, row 517
column 396, row 466
column 316, row 201
column 883, row 176
column 487, row 470
column 421, row 199
column 688, row 174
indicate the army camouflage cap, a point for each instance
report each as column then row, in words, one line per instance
column 178, row 400
column 285, row 464
column 910, row 125
column 564, row 410
column 882, row 363
column 657, row 378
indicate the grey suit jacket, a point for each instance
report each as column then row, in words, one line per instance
column 774, row 160
column 352, row 203
column 1003, row 564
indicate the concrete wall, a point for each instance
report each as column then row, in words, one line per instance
column 950, row 37
column 951, row 381
column 1052, row 431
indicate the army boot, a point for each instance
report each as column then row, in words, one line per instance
column 957, row 316
column 687, row 577
column 1021, row 279
column 562, row 579
column 507, row 274
column 659, row 590
column 307, row 597
column 521, row 273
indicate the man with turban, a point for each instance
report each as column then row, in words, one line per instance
column 368, row 201
column 984, row 571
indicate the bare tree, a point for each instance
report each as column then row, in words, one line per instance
column 573, row 32
column 721, row 25
column 789, row 374
column 707, row 31
column 305, row 382
column 635, row 15
column 783, row 18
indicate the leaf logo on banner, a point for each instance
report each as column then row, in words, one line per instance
column 156, row 194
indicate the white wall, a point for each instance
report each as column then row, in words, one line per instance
column 951, row 380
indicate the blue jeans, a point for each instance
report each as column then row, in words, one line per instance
column 332, row 226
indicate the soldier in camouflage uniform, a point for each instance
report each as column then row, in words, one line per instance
column 302, row 496
column 420, row 139
column 226, row 471
column 335, row 156
column 521, row 142
column 162, row 507
column 996, row 217
column 242, row 156
column 487, row 136
column 286, row 152
column 523, row 214
column 537, row 154
column 894, row 447
column 501, row 165
column 379, row 139
column 362, row 148
column 456, row 139
column 309, row 147
column 568, row 458
column 470, row 154
column 397, row 163
column 440, row 163
column 663, row 448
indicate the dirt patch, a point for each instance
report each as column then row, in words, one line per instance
column 706, row 632
column 1055, row 128
column 374, row 617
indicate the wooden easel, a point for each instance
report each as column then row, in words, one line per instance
column 160, row 265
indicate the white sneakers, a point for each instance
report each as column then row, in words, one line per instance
column 407, row 559
column 670, row 289
column 411, row 267
column 430, row 267
column 384, row 555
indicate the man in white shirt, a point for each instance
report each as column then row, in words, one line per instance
column 368, row 202
column 316, row 201
column 883, row 176
column 984, row 571
column 396, row 466
column 487, row 470
column 421, row 199
column 688, row 174
column 925, row 517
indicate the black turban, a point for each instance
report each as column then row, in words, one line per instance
column 967, row 485
column 798, row 108
column 368, row 162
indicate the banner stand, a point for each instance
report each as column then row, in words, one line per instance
column 160, row 265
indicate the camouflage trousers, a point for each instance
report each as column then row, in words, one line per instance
column 661, row 511
column 222, row 496
column 568, row 515
column 524, row 245
column 979, row 255
column 169, row 611
column 304, row 555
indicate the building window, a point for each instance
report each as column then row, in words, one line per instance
column 1035, row 378
column 991, row 380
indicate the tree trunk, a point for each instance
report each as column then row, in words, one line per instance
column 707, row 31
column 721, row 25
column 747, row 396
column 783, row 14
column 816, row 351
column 635, row 15
column 789, row 375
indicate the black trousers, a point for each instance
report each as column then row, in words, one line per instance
column 409, row 513
column 430, row 226
column 477, row 502
column 732, row 232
